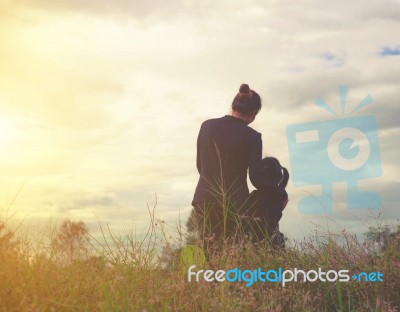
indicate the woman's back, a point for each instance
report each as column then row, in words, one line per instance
column 224, row 152
column 226, row 148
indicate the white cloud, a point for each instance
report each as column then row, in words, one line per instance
column 107, row 98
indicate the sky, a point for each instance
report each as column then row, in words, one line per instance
column 101, row 102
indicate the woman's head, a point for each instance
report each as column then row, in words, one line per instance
column 247, row 102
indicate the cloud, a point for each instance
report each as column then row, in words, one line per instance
column 105, row 99
column 137, row 10
column 294, row 224
column 85, row 202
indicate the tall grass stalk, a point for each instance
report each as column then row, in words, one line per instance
column 119, row 272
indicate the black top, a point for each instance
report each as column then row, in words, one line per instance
column 226, row 148
column 261, row 205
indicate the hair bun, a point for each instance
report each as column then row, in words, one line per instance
column 244, row 88
column 247, row 101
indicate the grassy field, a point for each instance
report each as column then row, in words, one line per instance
column 70, row 270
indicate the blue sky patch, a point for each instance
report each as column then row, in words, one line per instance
column 329, row 56
column 388, row 51
column 333, row 59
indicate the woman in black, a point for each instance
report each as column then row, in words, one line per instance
column 226, row 149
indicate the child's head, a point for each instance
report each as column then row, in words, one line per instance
column 273, row 169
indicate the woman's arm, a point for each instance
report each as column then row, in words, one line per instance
column 198, row 156
column 198, row 161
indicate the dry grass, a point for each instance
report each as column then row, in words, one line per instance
column 77, row 272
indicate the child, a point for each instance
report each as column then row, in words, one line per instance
column 266, row 210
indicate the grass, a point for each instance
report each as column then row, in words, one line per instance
column 70, row 270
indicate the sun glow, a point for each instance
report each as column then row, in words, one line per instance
column 5, row 132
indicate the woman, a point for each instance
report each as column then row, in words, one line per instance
column 226, row 149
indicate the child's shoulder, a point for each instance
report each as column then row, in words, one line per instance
column 257, row 194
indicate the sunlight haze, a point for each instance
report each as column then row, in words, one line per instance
column 101, row 102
